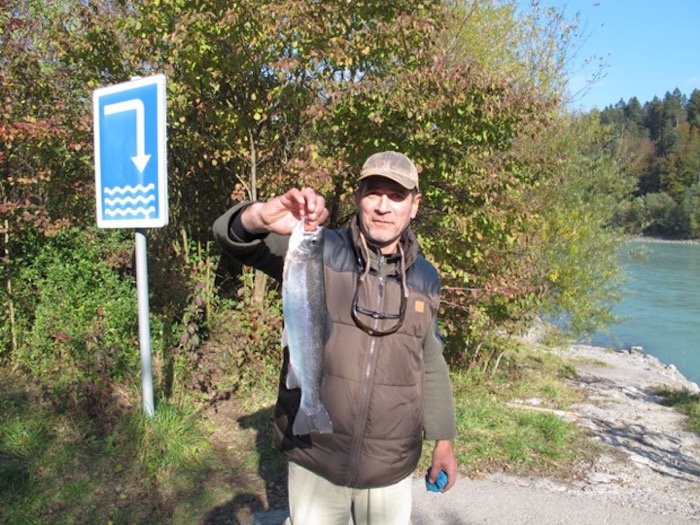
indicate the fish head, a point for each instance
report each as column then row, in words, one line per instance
column 305, row 245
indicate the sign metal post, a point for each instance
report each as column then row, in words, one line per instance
column 131, row 181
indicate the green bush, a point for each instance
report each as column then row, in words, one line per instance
column 85, row 306
column 244, row 349
column 78, row 330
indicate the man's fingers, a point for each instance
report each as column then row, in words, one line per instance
column 314, row 209
column 310, row 197
column 294, row 201
column 294, row 205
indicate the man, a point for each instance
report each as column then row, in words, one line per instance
column 386, row 384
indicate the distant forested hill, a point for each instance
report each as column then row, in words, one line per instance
column 659, row 145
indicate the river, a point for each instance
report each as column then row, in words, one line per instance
column 661, row 307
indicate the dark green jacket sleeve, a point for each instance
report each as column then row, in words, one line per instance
column 265, row 254
column 439, row 418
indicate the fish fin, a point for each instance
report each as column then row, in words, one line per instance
column 285, row 338
column 292, row 379
column 305, row 422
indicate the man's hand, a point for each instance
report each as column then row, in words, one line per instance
column 444, row 459
column 282, row 213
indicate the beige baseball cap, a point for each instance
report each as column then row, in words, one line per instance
column 392, row 165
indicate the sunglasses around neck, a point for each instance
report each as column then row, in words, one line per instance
column 358, row 311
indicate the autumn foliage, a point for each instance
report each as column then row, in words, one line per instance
column 262, row 96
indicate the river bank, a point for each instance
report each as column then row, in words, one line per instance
column 647, row 471
column 661, row 240
column 649, row 460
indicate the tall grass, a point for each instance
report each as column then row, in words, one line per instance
column 498, row 431
column 53, row 469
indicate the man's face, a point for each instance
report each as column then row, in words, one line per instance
column 386, row 209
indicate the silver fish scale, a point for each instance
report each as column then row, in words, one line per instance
column 304, row 309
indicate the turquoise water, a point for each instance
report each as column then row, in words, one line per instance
column 661, row 307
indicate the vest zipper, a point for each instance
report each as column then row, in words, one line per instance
column 367, row 382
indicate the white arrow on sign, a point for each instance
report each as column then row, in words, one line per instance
column 135, row 104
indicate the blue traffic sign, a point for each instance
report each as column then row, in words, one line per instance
column 131, row 186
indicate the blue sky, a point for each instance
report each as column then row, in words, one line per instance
column 649, row 47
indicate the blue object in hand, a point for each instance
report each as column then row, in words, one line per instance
column 439, row 484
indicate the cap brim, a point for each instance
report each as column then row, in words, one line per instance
column 400, row 179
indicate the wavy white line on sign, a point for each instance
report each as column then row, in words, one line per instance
column 130, row 200
column 130, row 189
column 131, row 211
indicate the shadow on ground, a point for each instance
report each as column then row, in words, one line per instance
column 271, row 469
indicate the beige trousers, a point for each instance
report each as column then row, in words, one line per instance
column 313, row 500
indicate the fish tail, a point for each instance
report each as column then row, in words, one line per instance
column 307, row 422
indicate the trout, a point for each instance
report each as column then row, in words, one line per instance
column 305, row 322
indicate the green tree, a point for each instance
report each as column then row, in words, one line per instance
column 458, row 123
column 527, row 42
column 665, row 172
column 688, row 213
column 654, row 118
column 265, row 95
column 577, row 246
column 661, row 213
column 634, row 116
column 566, row 250
column 45, row 138
column 680, row 169
column 693, row 109
column 674, row 108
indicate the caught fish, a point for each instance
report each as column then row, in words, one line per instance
column 305, row 322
